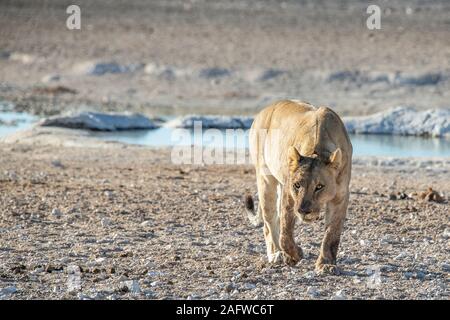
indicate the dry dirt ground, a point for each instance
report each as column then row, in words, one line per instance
column 226, row 56
column 125, row 223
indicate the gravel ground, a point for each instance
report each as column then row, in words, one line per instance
column 124, row 223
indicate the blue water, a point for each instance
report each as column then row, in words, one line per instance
column 363, row 145
column 14, row 121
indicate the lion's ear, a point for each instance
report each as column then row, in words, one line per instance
column 294, row 158
column 336, row 158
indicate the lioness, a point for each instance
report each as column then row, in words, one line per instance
column 302, row 155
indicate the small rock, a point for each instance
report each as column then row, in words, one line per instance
column 446, row 233
column 57, row 164
column 446, row 267
column 249, row 286
column 51, row 78
column 106, row 222
column 408, row 275
column 132, row 286
column 339, row 295
column 56, row 213
column 229, row 287
column 109, row 194
column 392, row 196
column 146, row 223
column 312, row 292
column 7, row 291
column 156, row 283
column 420, row 275
column 364, row 242
column 401, row 256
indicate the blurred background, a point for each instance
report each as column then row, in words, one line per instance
column 223, row 57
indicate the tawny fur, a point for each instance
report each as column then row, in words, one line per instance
column 302, row 156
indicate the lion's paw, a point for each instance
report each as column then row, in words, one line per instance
column 327, row 269
column 275, row 258
column 290, row 260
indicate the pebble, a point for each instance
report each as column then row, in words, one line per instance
column 57, row 164
column 446, row 233
column 109, row 194
column 249, row 286
column 339, row 295
column 51, row 78
column 132, row 286
column 312, row 292
column 230, row 287
column 106, row 222
column 146, row 223
column 392, row 197
column 56, row 213
column 364, row 242
column 420, row 275
column 408, row 275
column 401, row 256
column 7, row 291
column 155, row 283
column 446, row 267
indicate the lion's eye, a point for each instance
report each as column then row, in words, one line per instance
column 297, row 185
column 319, row 187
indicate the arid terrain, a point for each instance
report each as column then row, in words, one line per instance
column 229, row 57
column 86, row 219
column 124, row 223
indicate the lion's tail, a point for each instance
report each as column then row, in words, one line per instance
column 254, row 217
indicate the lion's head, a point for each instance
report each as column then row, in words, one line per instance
column 312, row 182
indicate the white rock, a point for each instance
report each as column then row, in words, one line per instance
column 73, row 278
column 155, row 283
column 339, row 295
column 402, row 121
column 446, row 233
column 218, row 122
column 402, row 255
column 146, row 223
column 56, row 213
column 100, row 260
column 374, row 280
column 51, row 78
column 133, row 286
column 109, row 194
column 100, row 121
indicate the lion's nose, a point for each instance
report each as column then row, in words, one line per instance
column 305, row 207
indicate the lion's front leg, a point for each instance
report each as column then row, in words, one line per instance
column 290, row 251
column 334, row 222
